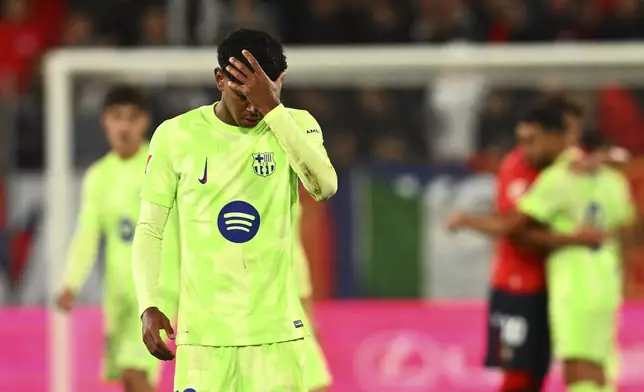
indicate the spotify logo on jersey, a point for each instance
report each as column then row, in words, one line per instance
column 238, row 222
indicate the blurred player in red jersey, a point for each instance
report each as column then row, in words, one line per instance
column 518, row 338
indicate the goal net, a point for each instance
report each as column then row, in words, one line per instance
column 418, row 112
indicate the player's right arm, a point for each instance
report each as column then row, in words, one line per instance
column 510, row 185
column 85, row 243
column 157, row 198
column 490, row 225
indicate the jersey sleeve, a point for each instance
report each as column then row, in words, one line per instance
column 84, row 247
column 300, row 262
column 300, row 136
column 147, row 256
column 541, row 202
column 160, row 181
column 170, row 275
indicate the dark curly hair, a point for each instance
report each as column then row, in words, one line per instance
column 268, row 51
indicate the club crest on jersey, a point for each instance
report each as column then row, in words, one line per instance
column 263, row 163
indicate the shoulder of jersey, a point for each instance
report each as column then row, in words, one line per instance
column 100, row 168
column 615, row 173
column 184, row 120
column 305, row 119
column 297, row 112
column 102, row 163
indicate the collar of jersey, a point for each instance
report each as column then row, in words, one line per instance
column 210, row 116
column 134, row 159
column 568, row 155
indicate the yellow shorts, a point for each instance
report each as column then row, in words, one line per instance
column 276, row 367
column 124, row 347
column 317, row 372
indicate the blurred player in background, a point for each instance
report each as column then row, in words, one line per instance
column 585, row 284
column 518, row 332
column 110, row 207
column 318, row 378
column 233, row 169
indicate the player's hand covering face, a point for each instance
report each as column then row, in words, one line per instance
column 154, row 321
column 254, row 85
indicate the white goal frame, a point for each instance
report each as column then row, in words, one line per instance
column 389, row 66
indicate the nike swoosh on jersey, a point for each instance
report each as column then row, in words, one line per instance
column 204, row 179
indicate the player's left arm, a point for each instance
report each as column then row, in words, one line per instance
column 541, row 204
column 509, row 186
column 300, row 136
column 489, row 225
column 521, row 227
column 525, row 222
column 544, row 238
column 84, row 248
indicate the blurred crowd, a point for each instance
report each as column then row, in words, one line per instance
column 446, row 120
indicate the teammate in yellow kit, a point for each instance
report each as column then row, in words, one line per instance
column 110, row 208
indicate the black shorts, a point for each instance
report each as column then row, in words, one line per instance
column 518, row 335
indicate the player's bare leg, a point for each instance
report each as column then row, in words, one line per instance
column 583, row 376
column 135, row 380
column 319, row 390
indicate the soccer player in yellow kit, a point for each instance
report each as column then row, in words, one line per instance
column 584, row 283
column 317, row 375
column 233, row 170
column 110, row 207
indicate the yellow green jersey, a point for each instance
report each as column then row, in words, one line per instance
column 567, row 201
column 109, row 208
column 236, row 191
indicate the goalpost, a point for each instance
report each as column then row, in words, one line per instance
column 383, row 66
